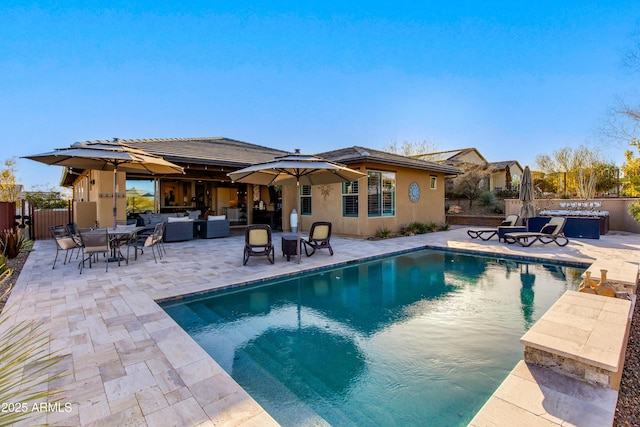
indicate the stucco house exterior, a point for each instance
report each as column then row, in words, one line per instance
column 397, row 190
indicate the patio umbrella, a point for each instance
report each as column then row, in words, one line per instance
column 108, row 156
column 528, row 210
column 299, row 169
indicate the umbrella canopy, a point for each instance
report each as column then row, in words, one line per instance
column 108, row 156
column 528, row 210
column 299, row 169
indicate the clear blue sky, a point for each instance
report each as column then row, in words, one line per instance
column 513, row 79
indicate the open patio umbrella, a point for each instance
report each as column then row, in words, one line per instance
column 299, row 169
column 108, row 156
column 528, row 210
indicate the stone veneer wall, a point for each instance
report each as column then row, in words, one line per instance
column 573, row 368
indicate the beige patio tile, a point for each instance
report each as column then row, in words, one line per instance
column 183, row 413
column 237, row 409
column 151, row 400
column 551, row 344
column 497, row 412
column 137, row 379
column 204, row 367
column 170, row 381
column 93, row 409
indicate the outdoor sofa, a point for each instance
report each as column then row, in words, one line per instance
column 215, row 226
column 180, row 228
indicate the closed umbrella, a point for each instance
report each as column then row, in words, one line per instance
column 528, row 210
column 108, row 156
column 299, row 169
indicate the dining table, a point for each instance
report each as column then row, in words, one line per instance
column 119, row 236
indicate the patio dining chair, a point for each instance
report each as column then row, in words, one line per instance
column 257, row 242
column 64, row 242
column 319, row 237
column 95, row 242
column 152, row 241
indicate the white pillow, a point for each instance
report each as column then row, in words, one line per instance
column 216, row 217
column 179, row 219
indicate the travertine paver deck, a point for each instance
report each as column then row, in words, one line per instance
column 128, row 361
column 532, row 396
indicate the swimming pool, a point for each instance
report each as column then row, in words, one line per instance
column 422, row 338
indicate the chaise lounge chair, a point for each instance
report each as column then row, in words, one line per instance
column 257, row 241
column 488, row 233
column 551, row 232
column 319, row 237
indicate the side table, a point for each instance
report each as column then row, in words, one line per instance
column 289, row 244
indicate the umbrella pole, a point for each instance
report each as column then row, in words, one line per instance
column 298, row 248
column 115, row 195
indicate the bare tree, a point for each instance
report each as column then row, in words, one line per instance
column 471, row 183
column 580, row 168
column 411, row 148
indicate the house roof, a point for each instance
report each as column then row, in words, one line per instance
column 357, row 154
column 503, row 164
column 218, row 151
column 449, row 155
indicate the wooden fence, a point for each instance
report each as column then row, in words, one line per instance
column 34, row 222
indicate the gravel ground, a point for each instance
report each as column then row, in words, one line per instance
column 627, row 411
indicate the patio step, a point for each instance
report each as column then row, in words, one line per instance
column 584, row 336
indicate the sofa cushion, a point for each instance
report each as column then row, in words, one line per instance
column 179, row 219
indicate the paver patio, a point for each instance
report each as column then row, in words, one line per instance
column 129, row 362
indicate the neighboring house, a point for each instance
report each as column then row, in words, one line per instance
column 504, row 175
column 397, row 191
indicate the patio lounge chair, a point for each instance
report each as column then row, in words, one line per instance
column 257, row 242
column 488, row 233
column 319, row 237
column 551, row 232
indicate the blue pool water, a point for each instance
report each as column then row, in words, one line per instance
column 422, row 338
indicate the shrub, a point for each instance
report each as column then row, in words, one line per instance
column 634, row 211
column 444, row 227
column 383, row 232
column 11, row 243
column 414, row 228
column 487, row 199
column 431, row 227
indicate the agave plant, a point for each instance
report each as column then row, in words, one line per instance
column 11, row 243
column 24, row 366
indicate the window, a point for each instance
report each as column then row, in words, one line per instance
column 433, row 181
column 350, row 199
column 140, row 195
column 381, row 193
column 305, row 200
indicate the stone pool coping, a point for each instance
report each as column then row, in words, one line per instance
column 129, row 361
